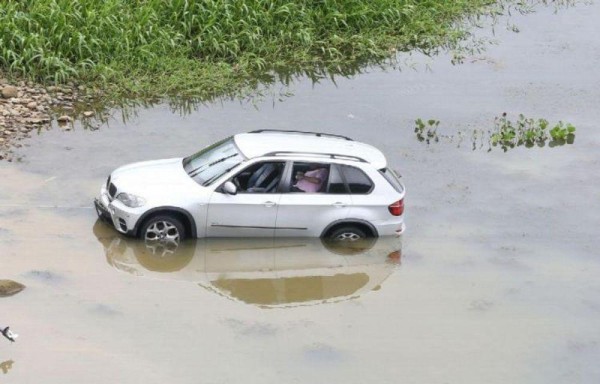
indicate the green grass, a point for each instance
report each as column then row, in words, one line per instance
column 203, row 48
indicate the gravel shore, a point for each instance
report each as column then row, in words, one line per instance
column 27, row 108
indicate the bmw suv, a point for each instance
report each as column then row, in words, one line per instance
column 265, row 183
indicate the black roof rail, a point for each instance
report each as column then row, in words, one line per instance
column 318, row 134
column 330, row 155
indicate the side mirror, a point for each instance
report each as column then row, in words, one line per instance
column 229, row 188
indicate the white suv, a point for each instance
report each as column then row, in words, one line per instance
column 259, row 184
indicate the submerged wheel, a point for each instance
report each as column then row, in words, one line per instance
column 164, row 230
column 347, row 233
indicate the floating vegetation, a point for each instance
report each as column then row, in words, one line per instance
column 427, row 131
column 530, row 132
column 506, row 134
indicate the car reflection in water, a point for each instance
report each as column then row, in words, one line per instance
column 274, row 272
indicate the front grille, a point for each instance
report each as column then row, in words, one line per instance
column 112, row 190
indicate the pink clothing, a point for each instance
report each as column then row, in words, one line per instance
column 307, row 186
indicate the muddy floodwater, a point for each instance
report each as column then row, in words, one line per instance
column 494, row 281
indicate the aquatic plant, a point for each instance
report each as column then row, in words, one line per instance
column 528, row 132
column 505, row 133
column 561, row 133
column 427, row 131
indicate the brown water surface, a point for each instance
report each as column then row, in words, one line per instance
column 498, row 278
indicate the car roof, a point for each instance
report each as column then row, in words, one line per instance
column 269, row 142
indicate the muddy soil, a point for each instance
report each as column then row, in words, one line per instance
column 496, row 283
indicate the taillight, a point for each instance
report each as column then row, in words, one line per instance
column 397, row 208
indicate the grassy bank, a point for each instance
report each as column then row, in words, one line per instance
column 215, row 47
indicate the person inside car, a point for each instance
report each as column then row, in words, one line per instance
column 311, row 180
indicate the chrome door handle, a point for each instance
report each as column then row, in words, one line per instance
column 269, row 204
column 339, row 205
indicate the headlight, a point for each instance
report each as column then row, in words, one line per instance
column 132, row 201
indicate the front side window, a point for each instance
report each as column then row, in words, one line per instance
column 309, row 177
column 263, row 177
column 212, row 162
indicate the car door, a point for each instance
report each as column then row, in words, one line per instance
column 252, row 211
column 309, row 213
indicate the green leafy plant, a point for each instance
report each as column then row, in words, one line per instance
column 507, row 133
column 562, row 133
column 427, row 131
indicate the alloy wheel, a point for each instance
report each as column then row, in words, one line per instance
column 164, row 233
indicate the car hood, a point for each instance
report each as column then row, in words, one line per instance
column 140, row 176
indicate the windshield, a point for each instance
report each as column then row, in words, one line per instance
column 212, row 162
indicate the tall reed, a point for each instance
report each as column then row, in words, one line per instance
column 195, row 47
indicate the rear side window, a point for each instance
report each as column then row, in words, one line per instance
column 358, row 182
column 391, row 177
column 336, row 183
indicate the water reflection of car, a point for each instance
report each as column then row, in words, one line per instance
column 259, row 184
column 268, row 272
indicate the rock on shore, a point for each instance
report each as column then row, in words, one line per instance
column 9, row 288
column 27, row 107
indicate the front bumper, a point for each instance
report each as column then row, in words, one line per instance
column 116, row 214
column 102, row 211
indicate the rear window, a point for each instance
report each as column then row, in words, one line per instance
column 392, row 178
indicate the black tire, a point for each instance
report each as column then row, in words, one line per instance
column 165, row 228
column 347, row 233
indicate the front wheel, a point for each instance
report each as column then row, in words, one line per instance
column 163, row 229
column 347, row 233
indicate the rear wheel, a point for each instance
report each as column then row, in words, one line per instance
column 347, row 234
column 163, row 230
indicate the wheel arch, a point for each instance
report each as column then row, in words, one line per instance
column 362, row 224
column 186, row 219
